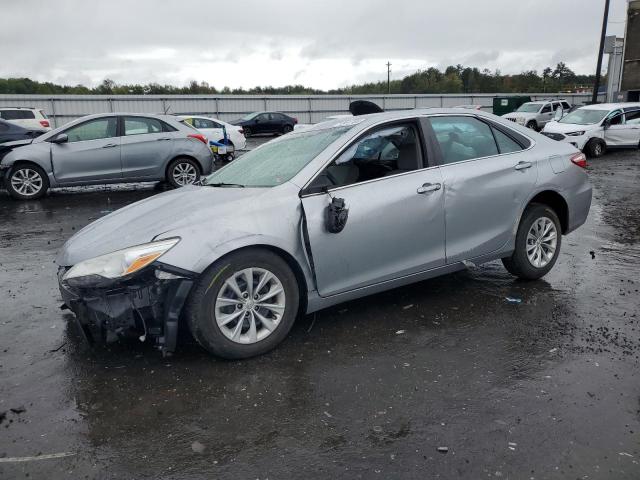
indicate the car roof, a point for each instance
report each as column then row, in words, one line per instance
column 610, row 106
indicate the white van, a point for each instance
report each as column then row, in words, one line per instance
column 594, row 128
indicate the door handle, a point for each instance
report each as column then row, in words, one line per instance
column 109, row 145
column 428, row 187
column 159, row 139
column 523, row 165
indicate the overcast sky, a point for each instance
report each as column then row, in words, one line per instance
column 322, row 44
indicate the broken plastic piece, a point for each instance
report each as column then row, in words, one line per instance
column 443, row 449
column 469, row 264
column 513, row 300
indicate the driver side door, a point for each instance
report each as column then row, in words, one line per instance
column 91, row 154
column 395, row 224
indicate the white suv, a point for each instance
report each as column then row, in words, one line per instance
column 26, row 117
column 536, row 115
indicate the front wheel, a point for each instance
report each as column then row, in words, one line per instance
column 27, row 182
column 537, row 243
column 183, row 171
column 595, row 148
column 247, row 132
column 286, row 129
column 244, row 304
column 532, row 125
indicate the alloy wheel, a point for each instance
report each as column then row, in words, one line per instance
column 542, row 241
column 184, row 174
column 250, row 305
column 26, row 181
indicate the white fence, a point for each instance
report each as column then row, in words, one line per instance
column 307, row 108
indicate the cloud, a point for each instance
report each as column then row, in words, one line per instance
column 321, row 44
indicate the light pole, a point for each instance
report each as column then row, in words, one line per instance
column 596, row 86
column 389, row 77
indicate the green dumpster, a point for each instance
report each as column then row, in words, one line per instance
column 503, row 105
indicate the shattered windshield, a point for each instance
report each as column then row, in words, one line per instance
column 584, row 116
column 277, row 161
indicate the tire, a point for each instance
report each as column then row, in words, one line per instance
column 246, row 334
column 246, row 131
column 532, row 125
column 595, row 148
column 519, row 263
column 183, row 171
column 27, row 181
column 286, row 129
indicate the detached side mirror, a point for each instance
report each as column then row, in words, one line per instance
column 606, row 124
column 60, row 138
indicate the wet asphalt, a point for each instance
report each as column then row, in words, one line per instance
column 442, row 379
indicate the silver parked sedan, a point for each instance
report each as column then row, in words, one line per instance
column 108, row 148
column 344, row 209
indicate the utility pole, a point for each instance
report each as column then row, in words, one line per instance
column 389, row 76
column 605, row 17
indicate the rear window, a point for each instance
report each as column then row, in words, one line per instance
column 16, row 114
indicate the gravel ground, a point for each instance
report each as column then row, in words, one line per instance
column 441, row 379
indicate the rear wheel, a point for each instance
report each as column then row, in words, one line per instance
column 537, row 243
column 183, row 171
column 243, row 305
column 595, row 148
column 27, row 182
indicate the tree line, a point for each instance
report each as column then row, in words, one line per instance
column 454, row 79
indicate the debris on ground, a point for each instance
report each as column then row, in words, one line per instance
column 18, row 410
column 377, row 429
column 468, row 264
column 197, row 447
column 3, row 416
column 443, row 449
column 593, row 255
column 400, row 332
column 407, row 307
column 514, row 300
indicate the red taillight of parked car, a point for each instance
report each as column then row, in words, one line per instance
column 579, row 159
column 44, row 123
column 199, row 136
column 295, row 120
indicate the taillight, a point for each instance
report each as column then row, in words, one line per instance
column 579, row 159
column 199, row 136
column 241, row 132
column 44, row 123
column 295, row 120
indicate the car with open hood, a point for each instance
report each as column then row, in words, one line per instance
column 344, row 209
column 535, row 115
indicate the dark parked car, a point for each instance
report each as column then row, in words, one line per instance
column 265, row 122
column 10, row 132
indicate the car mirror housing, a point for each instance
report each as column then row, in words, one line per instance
column 60, row 138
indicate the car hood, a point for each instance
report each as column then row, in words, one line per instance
column 519, row 115
column 557, row 127
column 154, row 217
column 15, row 143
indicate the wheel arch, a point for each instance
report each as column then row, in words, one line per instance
column 557, row 203
column 182, row 155
column 290, row 260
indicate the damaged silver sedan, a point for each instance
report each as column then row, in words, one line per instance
column 344, row 209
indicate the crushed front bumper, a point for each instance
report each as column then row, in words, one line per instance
column 148, row 304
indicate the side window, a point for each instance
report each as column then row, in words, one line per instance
column 566, row 106
column 505, row 143
column 263, row 117
column 189, row 121
column 93, row 130
column 203, row 123
column 463, row 138
column 141, row 125
column 387, row 151
column 633, row 118
column 616, row 118
column 546, row 108
column 17, row 114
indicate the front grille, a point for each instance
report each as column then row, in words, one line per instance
column 554, row 136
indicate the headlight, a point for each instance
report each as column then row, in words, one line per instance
column 123, row 262
column 575, row 134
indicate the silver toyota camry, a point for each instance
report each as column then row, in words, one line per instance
column 344, row 209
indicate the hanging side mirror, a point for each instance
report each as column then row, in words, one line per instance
column 60, row 138
column 337, row 215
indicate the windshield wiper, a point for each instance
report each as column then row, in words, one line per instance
column 223, row 184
